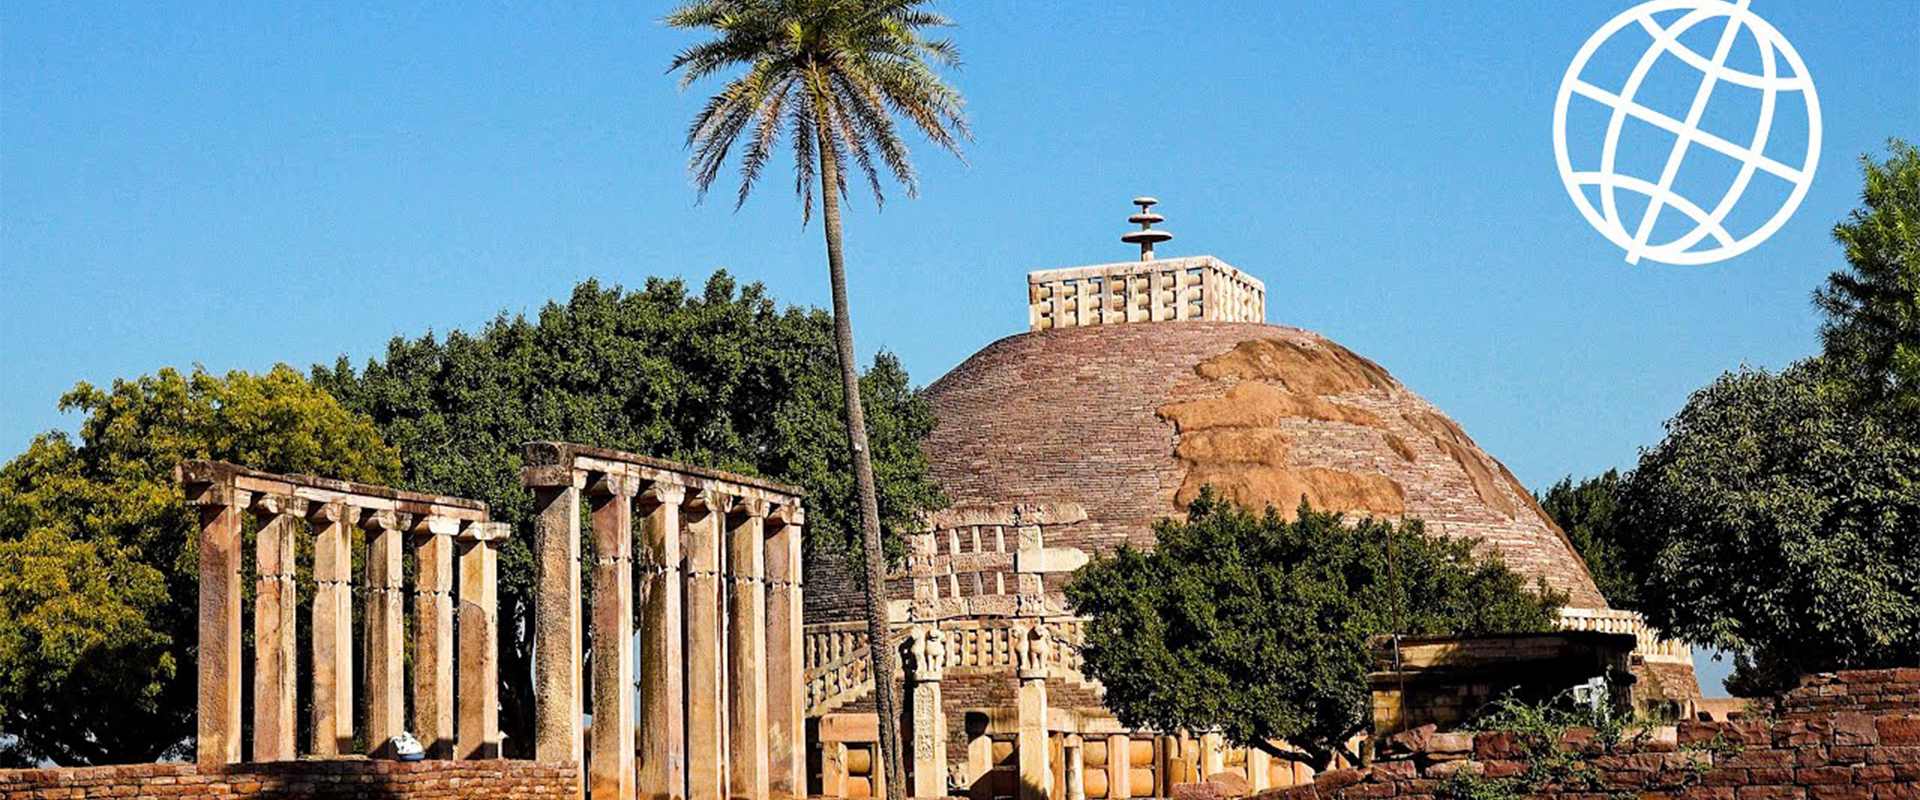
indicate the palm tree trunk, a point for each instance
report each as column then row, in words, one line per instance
column 878, row 649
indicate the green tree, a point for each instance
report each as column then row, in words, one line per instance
column 99, row 558
column 723, row 379
column 829, row 75
column 1257, row 626
column 1588, row 511
column 1780, row 522
column 1872, row 330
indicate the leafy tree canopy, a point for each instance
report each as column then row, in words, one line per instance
column 1588, row 511
column 1872, row 331
column 1257, row 626
column 722, row 378
column 99, row 558
column 1780, row 522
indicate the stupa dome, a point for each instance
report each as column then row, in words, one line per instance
column 1126, row 423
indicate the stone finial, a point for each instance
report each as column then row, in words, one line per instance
column 1147, row 235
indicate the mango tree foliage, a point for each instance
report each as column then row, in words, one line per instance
column 1781, row 522
column 723, row 379
column 1257, row 626
column 98, row 552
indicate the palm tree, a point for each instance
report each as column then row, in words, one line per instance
column 830, row 76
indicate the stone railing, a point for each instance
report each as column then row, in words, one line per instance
column 1651, row 646
column 288, row 506
column 720, row 661
column 1164, row 290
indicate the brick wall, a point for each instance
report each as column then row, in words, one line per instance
column 1826, row 754
column 344, row 778
column 1873, row 691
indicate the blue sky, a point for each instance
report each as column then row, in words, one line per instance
column 240, row 184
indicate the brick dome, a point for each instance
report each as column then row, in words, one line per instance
column 1129, row 421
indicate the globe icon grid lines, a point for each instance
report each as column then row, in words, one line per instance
column 1608, row 179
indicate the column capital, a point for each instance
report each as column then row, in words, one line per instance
column 327, row 512
column 485, row 532
column 374, row 519
column 789, row 513
column 660, row 493
column 604, row 484
column 273, row 505
column 701, row 498
column 747, row 507
column 423, row 525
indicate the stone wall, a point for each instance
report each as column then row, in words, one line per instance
column 324, row 779
column 1841, row 751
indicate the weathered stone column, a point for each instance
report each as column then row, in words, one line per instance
column 556, row 610
column 612, row 761
column 662, row 742
column 1031, row 653
column 386, row 648
column 479, row 712
column 706, row 745
column 747, row 650
column 274, row 643
column 332, row 630
column 786, row 657
column 1119, row 767
column 1074, row 765
column 1259, row 769
column 220, row 507
column 833, row 769
column 927, row 658
column 1213, row 756
column 433, row 635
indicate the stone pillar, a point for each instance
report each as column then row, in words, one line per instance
column 747, row 650
column 1119, row 767
column 219, row 636
column 1074, row 765
column 332, row 630
column 979, row 758
column 433, row 635
column 479, row 711
column 1213, row 756
column 1031, row 653
column 274, row 643
column 1259, row 769
column 927, row 660
column 662, row 755
column 386, row 647
column 786, row 658
column 706, row 745
column 833, row 769
column 556, row 614
column 611, row 773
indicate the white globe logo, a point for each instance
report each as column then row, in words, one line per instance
column 1658, row 189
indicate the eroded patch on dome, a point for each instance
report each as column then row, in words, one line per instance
column 1234, row 442
column 1454, row 442
column 1309, row 368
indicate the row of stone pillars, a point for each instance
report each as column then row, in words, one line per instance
column 720, row 659
column 441, row 531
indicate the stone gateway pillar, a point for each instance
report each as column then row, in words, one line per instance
column 1032, row 651
column 927, row 661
